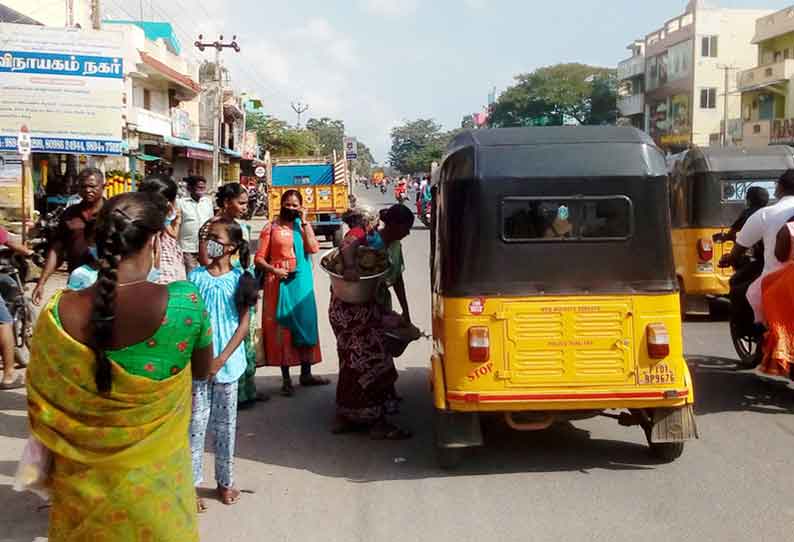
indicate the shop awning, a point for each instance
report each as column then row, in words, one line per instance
column 147, row 157
column 187, row 143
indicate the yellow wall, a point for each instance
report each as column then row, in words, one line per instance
column 767, row 49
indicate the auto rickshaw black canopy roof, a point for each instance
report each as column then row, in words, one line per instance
column 739, row 159
column 486, row 173
column 560, row 151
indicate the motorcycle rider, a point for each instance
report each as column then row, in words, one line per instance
column 764, row 225
column 73, row 241
column 7, row 342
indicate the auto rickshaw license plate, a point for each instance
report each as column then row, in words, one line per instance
column 661, row 373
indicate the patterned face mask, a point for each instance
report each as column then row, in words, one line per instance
column 214, row 249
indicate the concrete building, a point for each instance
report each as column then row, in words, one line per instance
column 691, row 66
column 767, row 99
column 52, row 13
column 631, row 86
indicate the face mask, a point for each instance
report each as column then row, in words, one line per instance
column 92, row 251
column 289, row 214
column 214, row 249
column 154, row 275
column 170, row 218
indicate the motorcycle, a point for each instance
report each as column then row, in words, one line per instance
column 257, row 203
column 14, row 273
column 401, row 194
column 383, row 188
column 43, row 232
column 746, row 334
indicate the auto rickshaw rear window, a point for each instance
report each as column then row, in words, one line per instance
column 550, row 219
column 735, row 190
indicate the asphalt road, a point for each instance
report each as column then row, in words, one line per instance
column 589, row 481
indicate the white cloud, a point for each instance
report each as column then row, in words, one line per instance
column 391, row 8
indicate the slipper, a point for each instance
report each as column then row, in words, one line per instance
column 307, row 381
column 15, row 384
column 287, row 390
column 228, row 496
column 201, row 506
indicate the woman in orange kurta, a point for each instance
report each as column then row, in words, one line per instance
column 777, row 289
column 276, row 256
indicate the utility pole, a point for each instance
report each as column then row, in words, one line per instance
column 300, row 109
column 219, row 46
column 724, row 135
column 96, row 15
column 69, row 13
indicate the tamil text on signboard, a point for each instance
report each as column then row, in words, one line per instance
column 65, row 84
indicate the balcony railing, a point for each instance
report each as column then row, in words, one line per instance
column 674, row 31
column 762, row 76
column 631, row 67
column 631, row 105
column 774, row 25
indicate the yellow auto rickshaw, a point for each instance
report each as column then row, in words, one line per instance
column 707, row 194
column 554, row 292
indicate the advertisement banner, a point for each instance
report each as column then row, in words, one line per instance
column 180, row 123
column 65, row 85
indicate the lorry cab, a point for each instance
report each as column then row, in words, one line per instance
column 323, row 185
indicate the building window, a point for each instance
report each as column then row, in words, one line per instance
column 708, row 98
column 147, row 99
column 708, row 47
column 778, row 57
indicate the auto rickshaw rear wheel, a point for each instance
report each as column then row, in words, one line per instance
column 663, row 451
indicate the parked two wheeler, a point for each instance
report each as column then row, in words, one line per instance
column 14, row 274
column 257, row 203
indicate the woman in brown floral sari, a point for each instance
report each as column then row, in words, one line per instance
column 367, row 373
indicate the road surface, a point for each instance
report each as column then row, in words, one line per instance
column 590, row 481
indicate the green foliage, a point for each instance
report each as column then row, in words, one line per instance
column 329, row 134
column 416, row 144
column 276, row 136
column 550, row 95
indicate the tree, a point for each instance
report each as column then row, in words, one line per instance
column 329, row 134
column 416, row 144
column 276, row 136
column 363, row 164
column 554, row 94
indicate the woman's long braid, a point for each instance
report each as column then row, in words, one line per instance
column 104, row 311
column 247, row 293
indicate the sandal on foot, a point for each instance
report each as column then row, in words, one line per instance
column 389, row 432
column 201, row 506
column 287, row 390
column 228, row 495
column 17, row 383
column 312, row 380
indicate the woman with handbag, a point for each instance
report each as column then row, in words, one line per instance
column 289, row 315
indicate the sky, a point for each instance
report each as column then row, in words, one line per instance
column 378, row 63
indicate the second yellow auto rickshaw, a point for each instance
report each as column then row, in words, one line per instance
column 554, row 292
column 708, row 189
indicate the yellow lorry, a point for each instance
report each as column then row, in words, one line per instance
column 323, row 184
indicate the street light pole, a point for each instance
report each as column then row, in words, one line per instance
column 219, row 45
column 300, row 109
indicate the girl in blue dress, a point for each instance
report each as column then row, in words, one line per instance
column 229, row 291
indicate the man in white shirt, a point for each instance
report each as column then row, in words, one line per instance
column 764, row 226
column 195, row 210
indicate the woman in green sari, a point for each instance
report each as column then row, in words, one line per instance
column 109, row 389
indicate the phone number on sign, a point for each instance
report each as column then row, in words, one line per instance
column 76, row 146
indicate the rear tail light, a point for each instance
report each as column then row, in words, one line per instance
column 658, row 341
column 479, row 344
column 705, row 250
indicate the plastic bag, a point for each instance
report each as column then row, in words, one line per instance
column 34, row 469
